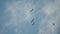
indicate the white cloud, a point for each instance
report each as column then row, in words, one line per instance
column 49, row 8
column 20, row 11
column 46, row 26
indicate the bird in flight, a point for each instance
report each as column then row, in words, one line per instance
column 53, row 23
column 32, row 21
column 31, row 10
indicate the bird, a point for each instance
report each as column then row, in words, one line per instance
column 31, row 10
column 53, row 23
column 32, row 21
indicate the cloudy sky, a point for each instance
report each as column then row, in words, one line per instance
column 16, row 16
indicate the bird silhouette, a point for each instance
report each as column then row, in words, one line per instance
column 31, row 10
column 32, row 21
column 53, row 23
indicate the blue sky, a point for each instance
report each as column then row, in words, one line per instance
column 15, row 16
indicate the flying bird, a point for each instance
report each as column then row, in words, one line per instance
column 31, row 10
column 32, row 21
column 53, row 23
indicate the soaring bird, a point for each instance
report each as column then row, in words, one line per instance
column 32, row 21
column 53, row 23
column 31, row 10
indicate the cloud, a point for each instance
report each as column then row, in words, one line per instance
column 49, row 8
column 20, row 12
column 52, row 15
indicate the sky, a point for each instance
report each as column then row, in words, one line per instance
column 15, row 16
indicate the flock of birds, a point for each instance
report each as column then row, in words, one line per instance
column 32, row 21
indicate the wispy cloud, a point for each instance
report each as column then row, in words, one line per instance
column 49, row 24
column 20, row 12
